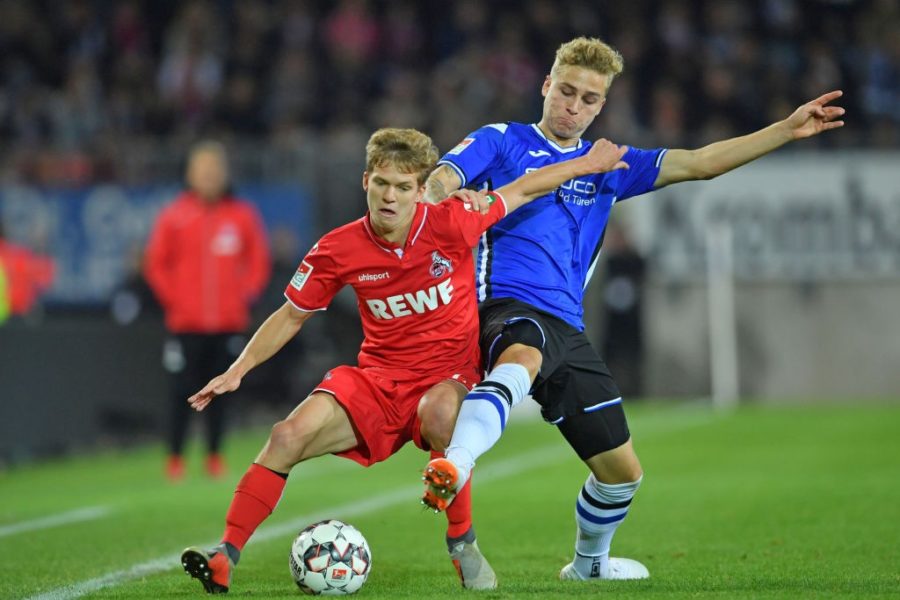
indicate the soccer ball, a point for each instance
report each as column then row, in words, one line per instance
column 330, row 558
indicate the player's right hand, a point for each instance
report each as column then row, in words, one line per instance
column 474, row 200
column 605, row 156
column 222, row 384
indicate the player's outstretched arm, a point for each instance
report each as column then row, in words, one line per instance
column 808, row 120
column 278, row 329
column 603, row 156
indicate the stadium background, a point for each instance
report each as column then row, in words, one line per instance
column 100, row 101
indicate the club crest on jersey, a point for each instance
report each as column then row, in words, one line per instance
column 439, row 265
column 301, row 275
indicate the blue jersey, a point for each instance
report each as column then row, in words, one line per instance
column 544, row 253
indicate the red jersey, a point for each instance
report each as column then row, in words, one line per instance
column 417, row 301
column 27, row 276
column 207, row 263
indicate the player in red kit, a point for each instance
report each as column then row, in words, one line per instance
column 411, row 266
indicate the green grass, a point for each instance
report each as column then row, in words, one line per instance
column 762, row 503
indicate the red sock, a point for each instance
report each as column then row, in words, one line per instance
column 459, row 513
column 256, row 496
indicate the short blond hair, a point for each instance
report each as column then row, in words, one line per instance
column 590, row 53
column 409, row 150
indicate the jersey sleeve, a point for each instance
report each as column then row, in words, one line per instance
column 470, row 223
column 643, row 169
column 316, row 281
column 477, row 153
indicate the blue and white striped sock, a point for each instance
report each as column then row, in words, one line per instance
column 484, row 413
column 599, row 510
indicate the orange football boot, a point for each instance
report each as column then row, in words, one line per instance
column 441, row 478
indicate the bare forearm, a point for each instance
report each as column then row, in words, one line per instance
column 720, row 157
column 442, row 182
column 281, row 326
column 726, row 155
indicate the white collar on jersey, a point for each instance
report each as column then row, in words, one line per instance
column 553, row 144
column 399, row 249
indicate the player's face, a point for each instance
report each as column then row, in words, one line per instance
column 573, row 97
column 391, row 196
column 207, row 175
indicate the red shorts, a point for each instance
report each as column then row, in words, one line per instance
column 382, row 410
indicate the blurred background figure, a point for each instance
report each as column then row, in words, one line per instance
column 98, row 101
column 622, row 323
column 207, row 261
column 24, row 276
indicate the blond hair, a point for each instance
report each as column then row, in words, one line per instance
column 409, row 150
column 590, row 53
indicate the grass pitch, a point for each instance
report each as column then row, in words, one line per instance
column 760, row 503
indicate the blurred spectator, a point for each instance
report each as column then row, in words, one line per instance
column 191, row 70
column 402, row 105
column 134, row 299
column 352, row 34
column 207, row 261
column 404, row 37
column 623, row 325
column 4, row 297
column 25, row 275
column 79, row 79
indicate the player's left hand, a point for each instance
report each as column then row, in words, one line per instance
column 221, row 384
column 477, row 201
column 814, row 117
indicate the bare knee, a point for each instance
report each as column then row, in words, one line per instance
column 437, row 413
column 619, row 465
column 438, row 417
column 286, row 436
column 286, row 445
column 527, row 356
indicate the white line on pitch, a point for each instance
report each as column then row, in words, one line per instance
column 73, row 516
column 506, row 468
column 543, row 456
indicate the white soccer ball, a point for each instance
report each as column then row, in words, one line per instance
column 330, row 558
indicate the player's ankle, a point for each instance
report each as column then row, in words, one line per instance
column 463, row 462
column 231, row 550
column 467, row 537
column 591, row 566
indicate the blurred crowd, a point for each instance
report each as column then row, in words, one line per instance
column 84, row 80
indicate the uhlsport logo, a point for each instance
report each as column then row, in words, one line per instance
column 374, row 276
column 439, row 265
column 418, row 302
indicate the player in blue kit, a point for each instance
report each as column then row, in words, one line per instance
column 532, row 269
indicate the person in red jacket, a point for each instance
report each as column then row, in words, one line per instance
column 207, row 260
column 25, row 276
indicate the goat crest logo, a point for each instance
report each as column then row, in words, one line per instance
column 439, row 265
